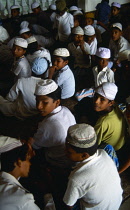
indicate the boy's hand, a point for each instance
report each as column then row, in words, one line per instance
column 82, row 45
column 52, row 69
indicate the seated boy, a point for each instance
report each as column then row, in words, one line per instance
column 21, row 67
column 52, row 131
column 15, row 20
column 87, row 182
column 115, row 13
column 61, row 73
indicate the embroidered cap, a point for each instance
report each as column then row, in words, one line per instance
column 8, row 143
column 89, row 30
column 60, row 5
column 45, row 87
column 39, row 66
column 81, row 135
column 78, row 30
column 124, row 55
column 73, row 8
column 24, row 24
column 31, row 39
column 117, row 25
column 35, row 5
column 24, row 30
column 21, row 42
column 63, row 52
column 115, row 4
column 107, row 90
column 103, row 52
column 53, row 7
column 14, row 7
column 78, row 12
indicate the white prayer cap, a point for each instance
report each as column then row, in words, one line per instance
column 8, row 143
column 89, row 30
column 53, row 7
column 73, row 8
column 39, row 65
column 44, row 87
column 21, row 42
column 117, row 25
column 35, row 5
column 31, row 39
column 103, row 52
column 78, row 12
column 24, row 24
column 78, row 30
column 107, row 90
column 115, row 4
column 24, row 30
column 81, row 135
column 124, row 55
column 62, row 52
column 14, row 7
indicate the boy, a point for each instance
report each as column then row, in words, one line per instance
column 61, row 73
column 15, row 163
column 21, row 67
column 115, row 13
column 90, row 38
column 117, row 42
column 87, row 182
column 15, row 20
column 52, row 131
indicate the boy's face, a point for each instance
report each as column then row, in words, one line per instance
column 46, row 105
column 59, row 63
column 73, row 155
column 89, row 39
column 24, row 36
column 14, row 12
column 101, row 103
column 102, row 62
column 115, row 34
column 115, row 11
column 36, row 11
column 18, row 51
column 89, row 21
column 78, row 39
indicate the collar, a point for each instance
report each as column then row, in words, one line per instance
column 104, row 69
column 58, row 109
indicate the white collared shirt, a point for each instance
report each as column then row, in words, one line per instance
column 13, row 195
column 106, row 75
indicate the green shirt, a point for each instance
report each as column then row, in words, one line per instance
column 111, row 129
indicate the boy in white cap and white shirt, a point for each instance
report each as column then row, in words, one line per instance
column 21, row 67
column 20, row 101
column 52, row 131
column 87, row 182
column 61, row 73
column 115, row 13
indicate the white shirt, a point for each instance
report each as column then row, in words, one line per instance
column 13, row 196
column 21, row 68
column 52, row 132
column 93, row 47
column 65, row 79
column 53, row 16
column 106, row 75
column 78, row 54
column 96, row 182
column 64, row 24
column 119, row 46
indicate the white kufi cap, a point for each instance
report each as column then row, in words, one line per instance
column 53, row 7
column 21, row 42
column 44, row 87
column 81, row 135
column 24, row 24
column 24, row 30
column 14, row 7
column 73, row 8
column 117, row 25
column 35, row 5
column 31, row 39
column 115, row 4
column 89, row 30
column 107, row 90
column 78, row 12
column 103, row 52
column 78, row 30
column 8, row 143
column 63, row 52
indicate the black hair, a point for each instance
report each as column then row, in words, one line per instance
column 63, row 58
column 37, row 8
column 116, row 28
column 32, row 47
column 55, row 95
column 18, row 9
column 10, row 157
column 91, row 150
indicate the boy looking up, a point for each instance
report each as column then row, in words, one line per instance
column 87, row 182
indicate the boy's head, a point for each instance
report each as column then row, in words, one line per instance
column 60, row 58
column 32, row 45
column 103, row 54
column 48, row 96
column 89, row 18
column 60, row 7
column 19, row 47
column 89, row 34
column 39, row 66
column 25, row 33
column 81, row 142
column 36, row 8
column 116, row 31
column 73, row 9
column 78, row 35
column 15, row 10
column 115, row 8
column 104, row 97
column 15, row 157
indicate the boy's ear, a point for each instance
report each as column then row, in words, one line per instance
column 66, row 62
column 58, row 102
column 85, row 155
column 111, row 103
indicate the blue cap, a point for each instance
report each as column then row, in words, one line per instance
column 39, row 66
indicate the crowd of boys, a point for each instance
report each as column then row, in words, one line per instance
column 62, row 57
